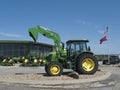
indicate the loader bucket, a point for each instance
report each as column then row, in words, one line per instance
column 33, row 34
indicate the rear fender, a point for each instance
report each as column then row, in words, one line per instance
column 82, row 54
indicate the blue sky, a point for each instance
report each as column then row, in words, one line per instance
column 72, row 19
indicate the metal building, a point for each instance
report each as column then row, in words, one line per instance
column 15, row 48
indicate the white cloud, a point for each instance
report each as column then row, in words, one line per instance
column 10, row 35
column 81, row 22
column 100, row 31
column 87, row 23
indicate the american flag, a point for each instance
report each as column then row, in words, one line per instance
column 103, row 39
column 105, row 36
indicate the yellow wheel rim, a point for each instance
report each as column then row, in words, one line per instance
column 35, row 60
column 55, row 69
column 88, row 64
column 26, row 61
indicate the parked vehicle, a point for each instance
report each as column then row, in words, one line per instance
column 112, row 59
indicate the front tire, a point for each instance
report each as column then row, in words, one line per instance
column 54, row 69
column 87, row 64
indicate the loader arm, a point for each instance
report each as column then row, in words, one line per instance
column 33, row 32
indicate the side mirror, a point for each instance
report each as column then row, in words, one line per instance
column 62, row 45
column 89, row 48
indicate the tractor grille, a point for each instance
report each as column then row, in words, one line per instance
column 49, row 57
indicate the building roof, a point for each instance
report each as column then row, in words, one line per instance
column 24, row 42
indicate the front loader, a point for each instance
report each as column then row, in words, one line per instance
column 77, row 55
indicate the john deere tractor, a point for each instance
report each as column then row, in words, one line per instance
column 77, row 55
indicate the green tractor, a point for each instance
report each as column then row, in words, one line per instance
column 77, row 55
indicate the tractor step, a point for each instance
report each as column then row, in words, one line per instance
column 70, row 65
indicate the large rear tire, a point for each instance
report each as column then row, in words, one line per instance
column 87, row 64
column 54, row 69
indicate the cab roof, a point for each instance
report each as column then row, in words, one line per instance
column 81, row 40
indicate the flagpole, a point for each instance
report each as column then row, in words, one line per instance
column 105, row 38
column 108, row 52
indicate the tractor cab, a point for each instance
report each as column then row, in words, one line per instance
column 75, row 47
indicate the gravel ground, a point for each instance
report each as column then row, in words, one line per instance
column 41, row 79
column 34, row 78
column 36, row 75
